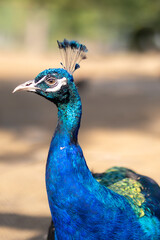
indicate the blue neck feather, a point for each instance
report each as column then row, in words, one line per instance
column 81, row 208
column 69, row 117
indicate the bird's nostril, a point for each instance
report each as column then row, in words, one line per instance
column 28, row 84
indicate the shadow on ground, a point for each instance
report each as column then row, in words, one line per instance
column 24, row 222
column 106, row 104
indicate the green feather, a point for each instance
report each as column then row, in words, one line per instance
column 116, row 180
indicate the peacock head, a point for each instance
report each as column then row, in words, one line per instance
column 56, row 84
column 53, row 84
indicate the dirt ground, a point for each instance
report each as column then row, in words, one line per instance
column 120, row 127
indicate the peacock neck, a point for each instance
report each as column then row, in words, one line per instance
column 65, row 158
column 69, row 116
column 64, row 147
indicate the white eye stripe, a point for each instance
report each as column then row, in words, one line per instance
column 61, row 82
column 41, row 80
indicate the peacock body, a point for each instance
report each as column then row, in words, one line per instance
column 118, row 204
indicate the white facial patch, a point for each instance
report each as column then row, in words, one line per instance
column 41, row 80
column 60, row 82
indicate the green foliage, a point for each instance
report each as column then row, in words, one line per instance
column 90, row 19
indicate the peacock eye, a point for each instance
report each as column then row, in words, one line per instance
column 50, row 80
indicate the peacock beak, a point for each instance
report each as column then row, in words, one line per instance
column 27, row 86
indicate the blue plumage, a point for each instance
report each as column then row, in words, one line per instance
column 73, row 44
column 82, row 207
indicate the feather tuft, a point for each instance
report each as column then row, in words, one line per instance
column 76, row 67
column 72, row 52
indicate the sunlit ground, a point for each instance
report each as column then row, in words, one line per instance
column 120, row 126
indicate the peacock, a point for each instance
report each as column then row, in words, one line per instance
column 118, row 204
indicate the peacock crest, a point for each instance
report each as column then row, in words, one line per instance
column 72, row 53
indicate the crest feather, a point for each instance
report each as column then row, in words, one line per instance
column 72, row 53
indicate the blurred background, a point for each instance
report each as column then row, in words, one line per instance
column 119, row 85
